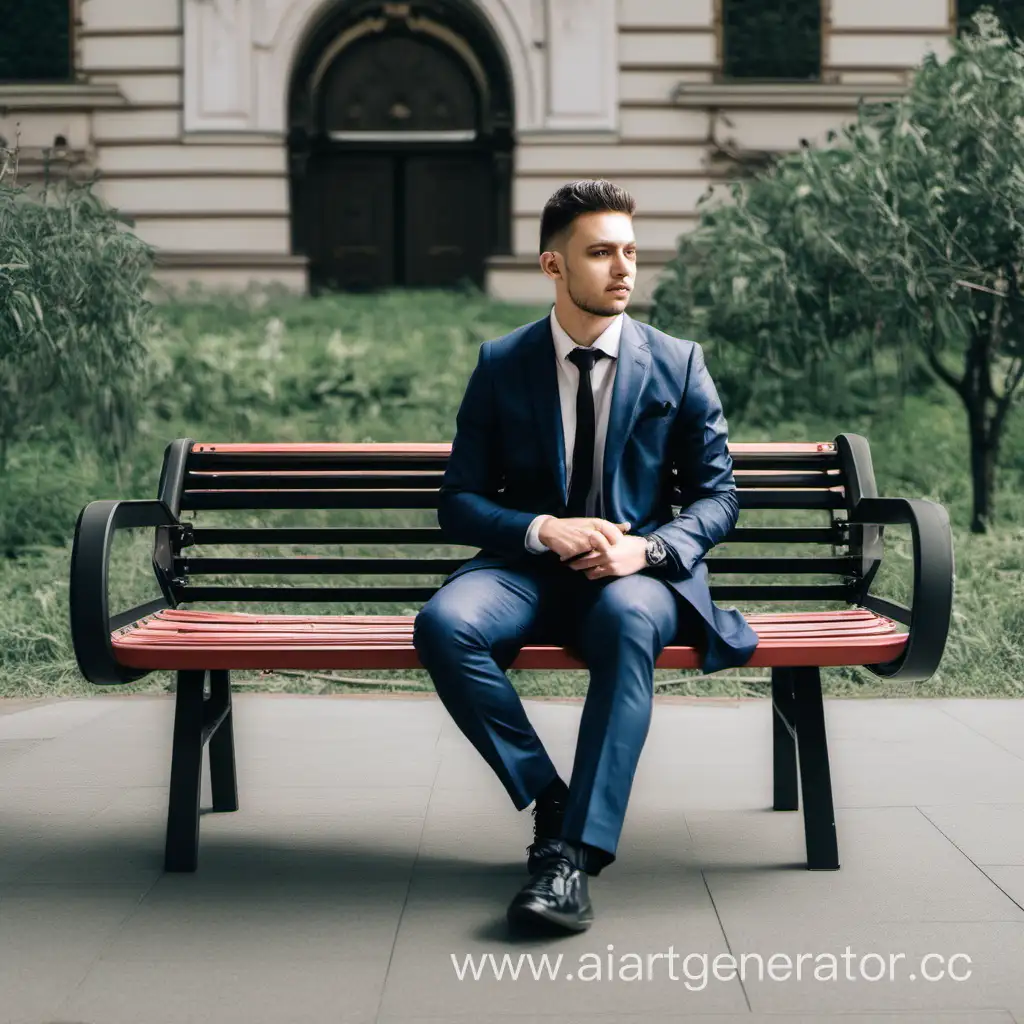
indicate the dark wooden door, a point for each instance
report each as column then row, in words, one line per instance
column 399, row 219
column 400, row 190
column 353, row 221
column 446, row 229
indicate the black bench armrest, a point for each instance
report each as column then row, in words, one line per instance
column 91, row 623
column 932, row 609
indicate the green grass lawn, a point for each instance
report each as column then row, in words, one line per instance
column 393, row 368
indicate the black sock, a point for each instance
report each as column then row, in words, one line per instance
column 556, row 789
column 589, row 859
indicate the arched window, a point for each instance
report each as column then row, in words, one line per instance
column 778, row 40
column 1009, row 12
column 35, row 40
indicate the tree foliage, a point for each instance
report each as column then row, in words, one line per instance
column 904, row 234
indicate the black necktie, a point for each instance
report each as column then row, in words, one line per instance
column 583, row 448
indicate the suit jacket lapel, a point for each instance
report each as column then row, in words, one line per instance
column 541, row 384
column 632, row 368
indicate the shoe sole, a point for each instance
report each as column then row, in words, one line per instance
column 534, row 917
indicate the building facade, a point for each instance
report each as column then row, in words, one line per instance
column 369, row 143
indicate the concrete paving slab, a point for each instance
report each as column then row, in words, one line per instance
column 987, row 972
column 241, row 926
column 895, row 867
column 1009, row 879
column 999, row 720
column 868, row 774
column 88, row 764
column 295, row 717
column 269, row 851
column 372, row 842
column 14, row 705
column 48, row 941
column 968, row 1017
column 327, row 763
column 986, row 833
column 47, row 720
column 463, row 915
column 11, row 750
column 348, row 800
column 902, row 719
column 22, row 806
column 206, row 990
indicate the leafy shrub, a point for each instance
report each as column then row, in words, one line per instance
column 73, row 317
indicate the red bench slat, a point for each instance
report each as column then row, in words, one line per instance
column 184, row 639
column 444, row 448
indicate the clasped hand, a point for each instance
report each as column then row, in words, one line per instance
column 595, row 547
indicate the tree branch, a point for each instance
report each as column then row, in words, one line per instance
column 935, row 363
column 977, row 287
column 943, row 374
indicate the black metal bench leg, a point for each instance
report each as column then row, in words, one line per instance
column 815, row 777
column 783, row 742
column 182, row 850
column 223, row 783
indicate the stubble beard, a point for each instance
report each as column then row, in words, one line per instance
column 588, row 307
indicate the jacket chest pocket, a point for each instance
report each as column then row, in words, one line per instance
column 654, row 424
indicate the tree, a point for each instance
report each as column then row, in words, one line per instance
column 936, row 182
column 909, row 225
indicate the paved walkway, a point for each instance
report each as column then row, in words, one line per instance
column 372, row 845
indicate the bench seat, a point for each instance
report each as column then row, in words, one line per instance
column 183, row 639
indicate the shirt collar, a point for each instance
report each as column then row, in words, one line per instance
column 607, row 341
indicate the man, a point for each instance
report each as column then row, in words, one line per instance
column 560, row 471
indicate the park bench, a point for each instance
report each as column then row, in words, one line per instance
column 830, row 485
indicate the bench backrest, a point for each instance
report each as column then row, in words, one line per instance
column 809, row 486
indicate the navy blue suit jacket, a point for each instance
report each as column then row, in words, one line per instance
column 507, row 463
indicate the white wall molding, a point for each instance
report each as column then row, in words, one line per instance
column 582, row 65
column 218, row 65
column 239, row 56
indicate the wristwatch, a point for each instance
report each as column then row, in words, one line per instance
column 657, row 553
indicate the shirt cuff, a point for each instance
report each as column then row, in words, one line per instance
column 533, row 544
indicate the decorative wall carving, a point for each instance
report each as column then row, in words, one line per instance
column 218, row 65
column 239, row 56
column 582, row 65
column 268, row 17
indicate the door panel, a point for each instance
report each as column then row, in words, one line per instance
column 447, row 219
column 355, row 223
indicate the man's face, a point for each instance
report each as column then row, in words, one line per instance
column 597, row 262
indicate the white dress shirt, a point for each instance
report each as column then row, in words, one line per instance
column 602, row 377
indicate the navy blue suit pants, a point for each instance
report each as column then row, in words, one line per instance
column 471, row 631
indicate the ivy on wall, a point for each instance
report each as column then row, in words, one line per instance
column 1009, row 12
column 35, row 40
column 780, row 39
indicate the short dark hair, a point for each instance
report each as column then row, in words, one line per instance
column 577, row 197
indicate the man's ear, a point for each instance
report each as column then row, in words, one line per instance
column 549, row 264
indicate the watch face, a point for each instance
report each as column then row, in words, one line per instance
column 656, row 552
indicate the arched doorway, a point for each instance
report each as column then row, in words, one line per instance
column 400, row 145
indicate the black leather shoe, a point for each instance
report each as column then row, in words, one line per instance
column 555, row 899
column 541, row 851
column 548, row 817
